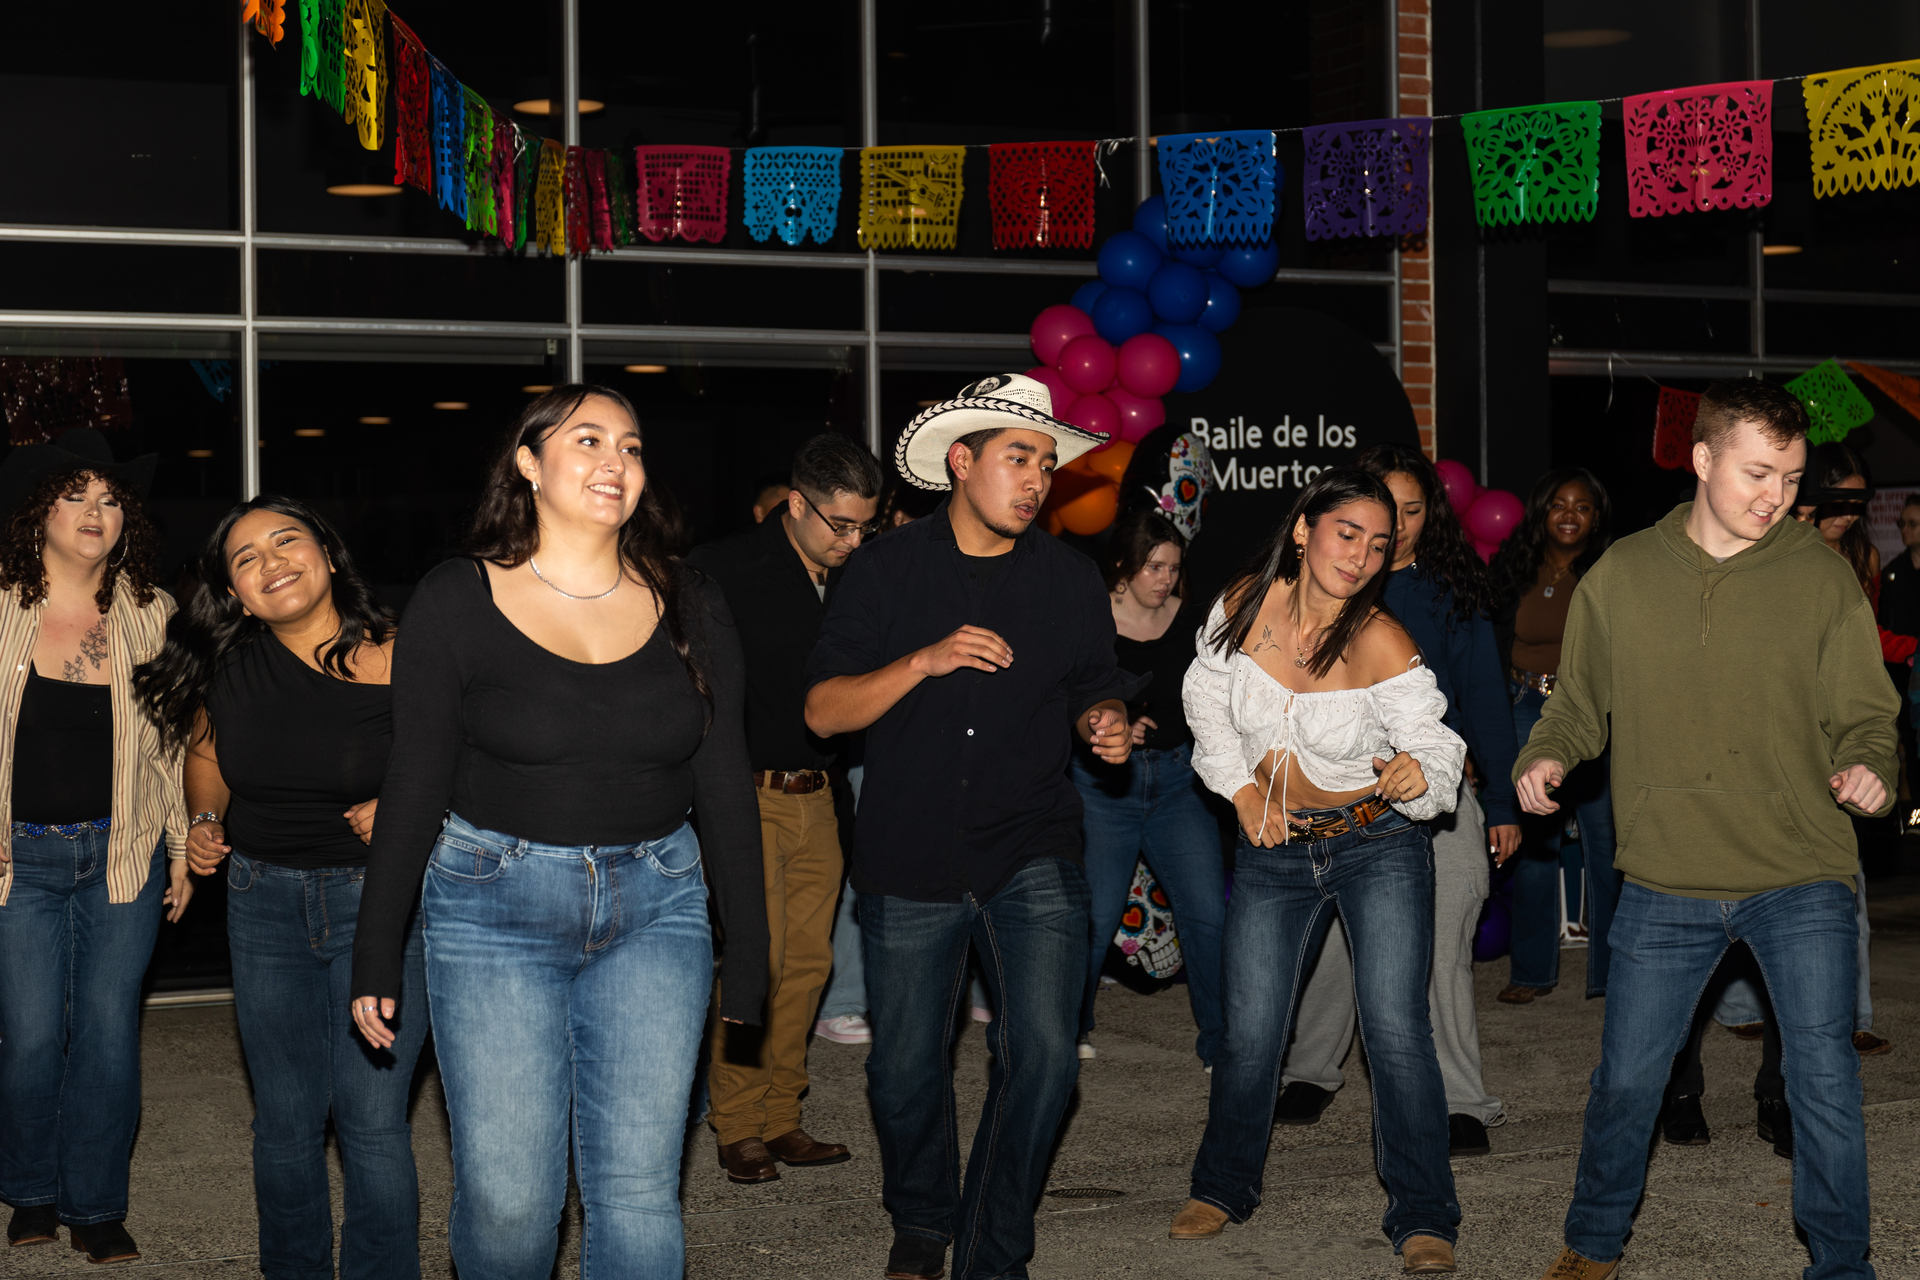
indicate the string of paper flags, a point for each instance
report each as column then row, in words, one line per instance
column 1834, row 407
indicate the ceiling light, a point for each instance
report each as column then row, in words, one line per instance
column 927, row 404
column 1586, row 38
column 376, row 422
column 1778, row 250
column 310, row 432
column 536, row 391
column 646, row 368
column 363, row 189
column 199, row 453
column 897, row 53
column 449, row 404
column 544, row 107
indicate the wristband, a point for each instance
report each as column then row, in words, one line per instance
column 199, row 818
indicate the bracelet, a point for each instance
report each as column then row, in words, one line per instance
column 199, row 818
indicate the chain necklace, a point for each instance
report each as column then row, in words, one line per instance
column 1548, row 592
column 568, row 594
column 1304, row 655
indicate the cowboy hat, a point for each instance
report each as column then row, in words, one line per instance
column 998, row 402
column 79, row 449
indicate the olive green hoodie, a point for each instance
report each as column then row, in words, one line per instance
column 1737, row 689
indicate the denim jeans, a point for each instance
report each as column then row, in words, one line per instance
column 1032, row 938
column 846, row 994
column 1588, row 796
column 1380, row 879
column 70, row 969
column 1153, row 805
column 1665, row 947
column 1740, row 1003
column 291, row 933
column 569, row 987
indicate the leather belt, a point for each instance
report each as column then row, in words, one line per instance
column 805, row 782
column 1542, row 685
column 1361, row 813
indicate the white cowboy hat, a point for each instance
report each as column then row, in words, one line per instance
column 994, row 403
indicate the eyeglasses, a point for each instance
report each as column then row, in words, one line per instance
column 840, row 528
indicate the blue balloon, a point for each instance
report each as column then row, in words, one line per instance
column 1150, row 220
column 1250, row 268
column 1128, row 260
column 1223, row 303
column 1202, row 258
column 1119, row 313
column 1199, row 354
column 1089, row 293
column 1178, row 293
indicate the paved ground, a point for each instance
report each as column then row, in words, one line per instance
column 1720, row 1210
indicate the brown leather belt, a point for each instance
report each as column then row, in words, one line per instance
column 1542, row 685
column 1361, row 813
column 805, row 782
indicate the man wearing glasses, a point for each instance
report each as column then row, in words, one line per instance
column 775, row 579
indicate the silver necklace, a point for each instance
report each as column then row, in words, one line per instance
column 568, row 594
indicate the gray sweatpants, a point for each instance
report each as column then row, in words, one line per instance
column 1323, row 1027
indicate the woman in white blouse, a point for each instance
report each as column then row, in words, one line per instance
column 1312, row 712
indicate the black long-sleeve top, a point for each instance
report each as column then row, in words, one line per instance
column 517, row 739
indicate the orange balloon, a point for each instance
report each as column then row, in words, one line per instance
column 1111, row 462
column 1091, row 511
column 1052, row 519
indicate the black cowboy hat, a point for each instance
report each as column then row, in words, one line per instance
column 79, row 449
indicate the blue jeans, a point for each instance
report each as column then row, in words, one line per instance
column 70, row 969
column 291, row 933
column 1153, row 805
column 1740, row 1003
column 1665, row 948
column 1032, row 938
column 1380, row 879
column 1588, row 795
column 569, row 988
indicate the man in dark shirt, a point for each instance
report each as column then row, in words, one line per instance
column 969, row 646
column 775, row 580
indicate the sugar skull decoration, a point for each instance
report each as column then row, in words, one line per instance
column 1182, row 499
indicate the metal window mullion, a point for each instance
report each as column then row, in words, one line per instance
column 1142, row 105
column 870, row 137
column 570, row 133
column 247, row 385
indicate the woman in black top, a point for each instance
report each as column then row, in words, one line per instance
column 1153, row 805
column 275, row 680
column 560, row 701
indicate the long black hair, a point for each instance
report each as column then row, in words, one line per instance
column 1443, row 550
column 1281, row 559
column 1516, row 566
column 173, row 685
column 506, row 527
column 1829, row 466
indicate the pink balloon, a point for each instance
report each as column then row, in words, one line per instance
column 1054, row 328
column 1138, row 414
column 1049, row 377
column 1086, row 364
column 1462, row 488
column 1493, row 515
column 1095, row 413
column 1485, row 551
column 1149, row 365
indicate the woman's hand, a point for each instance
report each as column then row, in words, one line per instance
column 1256, row 809
column 1140, row 728
column 1400, row 778
column 360, row 818
column 206, row 845
column 179, row 889
column 373, row 1024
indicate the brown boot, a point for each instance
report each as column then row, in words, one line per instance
column 1426, row 1256
column 1197, row 1221
column 748, row 1161
column 1572, row 1266
column 1516, row 994
column 802, row 1152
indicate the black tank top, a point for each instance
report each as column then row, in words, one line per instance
column 1168, row 659
column 63, row 752
column 298, row 749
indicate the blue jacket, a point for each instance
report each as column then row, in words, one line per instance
column 1467, row 667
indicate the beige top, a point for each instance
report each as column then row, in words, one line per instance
column 147, row 798
column 1541, row 621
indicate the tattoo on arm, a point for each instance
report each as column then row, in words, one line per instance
column 93, row 652
column 1266, row 641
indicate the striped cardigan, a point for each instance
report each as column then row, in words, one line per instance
column 147, row 799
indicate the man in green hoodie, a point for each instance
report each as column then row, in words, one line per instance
column 1738, row 661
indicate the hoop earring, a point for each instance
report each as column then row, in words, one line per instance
column 536, row 489
column 116, row 562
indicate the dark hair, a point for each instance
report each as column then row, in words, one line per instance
column 1913, row 500
column 1731, row 401
column 1131, row 544
column 173, row 685
column 1443, row 551
column 23, row 570
column 1828, row 465
column 1242, row 597
column 1516, row 566
column 908, row 500
column 506, row 527
column 975, row 441
column 831, row 463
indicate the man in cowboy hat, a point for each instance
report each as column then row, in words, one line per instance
column 969, row 645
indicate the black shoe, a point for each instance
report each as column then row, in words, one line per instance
column 1776, row 1126
column 1683, row 1124
column 1466, row 1137
column 104, row 1242
column 916, row 1258
column 36, row 1224
column 1302, row 1103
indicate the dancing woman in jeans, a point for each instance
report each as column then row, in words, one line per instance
column 1312, row 712
column 560, row 701
column 275, row 682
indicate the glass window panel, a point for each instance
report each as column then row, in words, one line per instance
column 1683, row 248
column 1001, row 71
column 1797, row 38
column 1848, row 331
column 1862, row 241
column 968, row 302
column 653, row 292
column 1606, row 48
column 481, row 285
column 1606, row 425
column 120, row 277
column 1587, row 322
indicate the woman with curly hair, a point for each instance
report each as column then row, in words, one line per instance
column 90, row 814
column 1438, row 589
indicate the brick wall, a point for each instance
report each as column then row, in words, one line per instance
column 1416, row 252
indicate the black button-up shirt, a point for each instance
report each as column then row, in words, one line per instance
column 966, row 776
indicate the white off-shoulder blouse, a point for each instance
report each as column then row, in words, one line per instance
column 1239, row 713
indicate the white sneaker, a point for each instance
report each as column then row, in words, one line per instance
column 848, row 1028
column 1087, row 1051
column 982, row 1014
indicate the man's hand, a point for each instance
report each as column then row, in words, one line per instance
column 360, row 818
column 1140, row 727
column 1541, row 777
column 206, row 845
column 1858, row 786
column 1108, row 734
column 1401, row 778
column 974, row 647
column 1505, row 842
